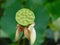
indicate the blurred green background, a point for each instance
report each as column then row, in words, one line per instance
column 44, row 10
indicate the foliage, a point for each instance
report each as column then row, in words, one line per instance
column 42, row 9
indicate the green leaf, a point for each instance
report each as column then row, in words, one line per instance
column 42, row 19
column 34, row 3
column 42, row 16
column 54, row 8
column 8, row 20
column 9, row 3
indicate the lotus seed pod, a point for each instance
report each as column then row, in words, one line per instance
column 25, row 17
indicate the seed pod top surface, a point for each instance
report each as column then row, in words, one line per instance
column 24, row 17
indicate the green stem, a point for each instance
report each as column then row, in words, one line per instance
column 18, row 43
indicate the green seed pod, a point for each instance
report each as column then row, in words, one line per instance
column 25, row 17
